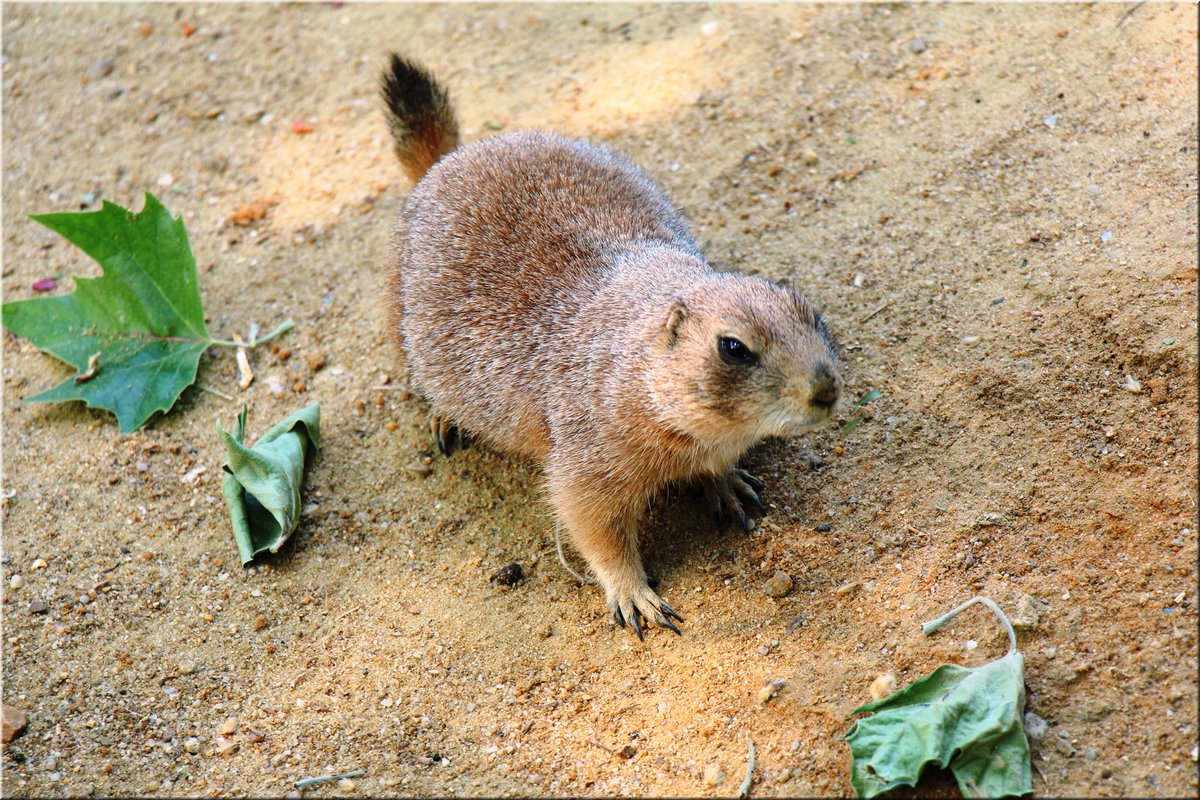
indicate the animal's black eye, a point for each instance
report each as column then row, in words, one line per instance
column 734, row 352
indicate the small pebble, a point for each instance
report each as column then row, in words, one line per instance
column 228, row 747
column 16, row 582
column 1089, row 754
column 883, row 686
column 783, row 776
column 1027, row 613
column 187, row 667
column 229, row 726
column 917, row 46
column 823, row 529
column 420, row 468
column 779, row 584
column 260, row 622
column 1035, row 726
column 345, row 785
column 14, row 721
column 39, row 563
column 770, row 690
column 38, row 607
column 713, row 775
column 972, row 644
column 810, row 157
column 101, row 68
column 192, row 745
column 509, row 575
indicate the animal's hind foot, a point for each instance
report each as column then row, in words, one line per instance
column 445, row 432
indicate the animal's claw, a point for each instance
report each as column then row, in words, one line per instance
column 445, row 432
column 726, row 495
column 641, row 606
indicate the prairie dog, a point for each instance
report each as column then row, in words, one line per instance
column 550, row 300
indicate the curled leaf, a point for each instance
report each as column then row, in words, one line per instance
column 262, row 483
column 967, row 720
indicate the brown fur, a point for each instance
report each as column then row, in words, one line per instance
column 551, row 302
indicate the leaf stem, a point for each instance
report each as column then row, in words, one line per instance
column 931, row 626
column 284, row 326
column 744, row 791
column 211, row 390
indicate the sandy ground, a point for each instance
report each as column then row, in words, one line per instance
column 996, row 208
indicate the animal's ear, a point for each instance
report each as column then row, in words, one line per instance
column 804, row 310
column 676, row 314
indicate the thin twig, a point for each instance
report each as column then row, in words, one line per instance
column 1129, row 13
column 602, row 747
column 211, row 390
column 306, row 782
column 876, row 311
column 933, row 625
column 745, row 790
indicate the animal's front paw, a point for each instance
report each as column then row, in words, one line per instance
column 636, row 604
column 726, row 493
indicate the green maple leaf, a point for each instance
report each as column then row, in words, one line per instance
column 969, row 720
column 138, row 329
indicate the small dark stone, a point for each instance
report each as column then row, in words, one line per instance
column 628, row 751
column 1106, row 773
column 823, row 529
column 510, row 575
column 38, row 607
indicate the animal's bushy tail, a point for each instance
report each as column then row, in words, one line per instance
column 420, row 116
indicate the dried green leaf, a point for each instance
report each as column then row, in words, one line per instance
column 869, row 397
column 262, row 483
column 967, row 720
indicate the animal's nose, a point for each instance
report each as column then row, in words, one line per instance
column 825, row 388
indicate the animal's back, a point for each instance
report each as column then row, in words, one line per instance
column 502, row 243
